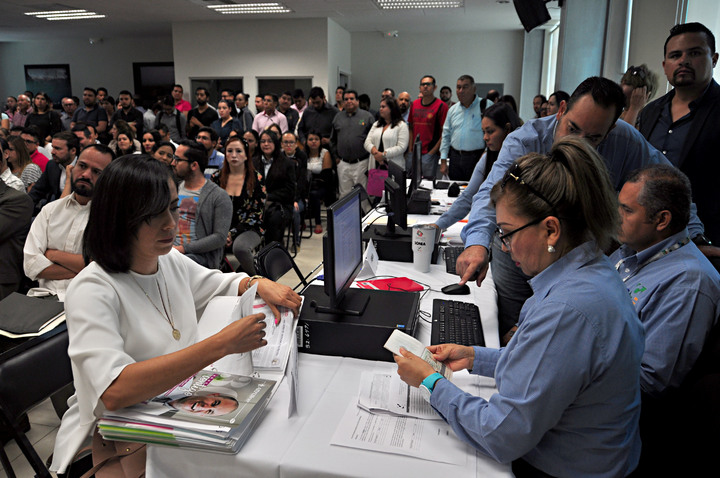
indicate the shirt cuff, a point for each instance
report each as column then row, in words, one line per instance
column 485, row 361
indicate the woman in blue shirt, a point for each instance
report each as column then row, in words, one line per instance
column 568, row 399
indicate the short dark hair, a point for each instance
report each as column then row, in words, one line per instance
column 604, row 92
column 168, row 101
column 542, row 97
column 272, row 95
column 693, row 27
column 350, row 92
column 493, row 95
column 341, row 87
column 160, row 144
column 664, row 188
column 102, row 149
column 83, row 128
column 316, row 92
column 429, row 76
column 560, row 95
column 70, row 139
column 392, row 92
column 76, row 100
column 195, row 153
column 213, row 134
column 202, row 88
column 32, row 130
column 225, row 90
column 287, row 93
column 163, row 128
column 125, row 92
column 103, row 89
column 94, row 91
column 467, row 78
column 177, row 86
column 298, row 93
column 131, row 190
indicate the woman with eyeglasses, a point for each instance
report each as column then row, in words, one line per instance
column 245, row 187
column 278, row 174
column 568, row 399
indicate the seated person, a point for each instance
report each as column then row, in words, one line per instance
column 148, row 297
column 568, row 400
column 16, row 210
column 297, row 156
column 53, row 249
column 208, row 137
column 675, row 291
column 245, row 187
column 672, row 284
column 163, row 151
column 279, row 176
column 205, row 209
column 52, row 181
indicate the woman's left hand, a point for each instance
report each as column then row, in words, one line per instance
column 276, row 295
column 412, row 369
column 379, row 157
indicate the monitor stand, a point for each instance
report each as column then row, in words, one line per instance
column 351, row 304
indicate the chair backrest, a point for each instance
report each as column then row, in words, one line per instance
column 33, row 375
column 274, row 261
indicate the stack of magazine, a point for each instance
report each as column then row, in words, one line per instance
column 209, row 411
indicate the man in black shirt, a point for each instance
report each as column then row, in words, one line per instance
column 284, row 106
column 128, row 113
column 318, row 116
column 202, row 115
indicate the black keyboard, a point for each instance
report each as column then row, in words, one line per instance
column 451, row 254
column 455, row 322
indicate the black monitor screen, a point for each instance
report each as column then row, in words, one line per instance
column 416, row 172
column 343, row 257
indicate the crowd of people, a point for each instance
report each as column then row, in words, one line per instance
column 597, row 217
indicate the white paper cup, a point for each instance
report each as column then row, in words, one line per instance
column 423, row 243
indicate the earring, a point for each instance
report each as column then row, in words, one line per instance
column 551, row 249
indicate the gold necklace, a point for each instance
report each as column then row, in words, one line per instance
column 167, row 316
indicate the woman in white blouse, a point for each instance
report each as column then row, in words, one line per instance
column 132, row 313
column 389, row 136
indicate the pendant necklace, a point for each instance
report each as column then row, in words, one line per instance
column 167, row 316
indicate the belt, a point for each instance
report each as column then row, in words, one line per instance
column 353, row 161
column 476, row 151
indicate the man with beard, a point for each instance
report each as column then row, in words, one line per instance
column 49, row 187
column 91, row 113
column 53, row 250
column 201, row 116
column 403, row 101
column 683, row 124
column 126, row 111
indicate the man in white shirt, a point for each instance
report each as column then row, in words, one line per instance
column 53, row 249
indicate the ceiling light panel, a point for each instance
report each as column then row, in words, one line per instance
column 250, row 8
column 418, row 4
column 56, row 15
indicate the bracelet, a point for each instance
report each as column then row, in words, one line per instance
column 249, row 282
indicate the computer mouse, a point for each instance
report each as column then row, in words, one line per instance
column 456, row 289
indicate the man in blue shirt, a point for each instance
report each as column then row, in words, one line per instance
column 462, row 137
column 672, row 284
column 592, row 113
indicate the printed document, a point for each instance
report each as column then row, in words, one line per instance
column 387, row 393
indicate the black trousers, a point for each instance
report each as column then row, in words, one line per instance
column 462, row 163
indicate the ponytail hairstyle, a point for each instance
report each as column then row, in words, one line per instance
column 570, row 183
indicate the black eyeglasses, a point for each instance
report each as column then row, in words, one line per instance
column 427, row 83
column 178, row 159
column 505, row 238
column 515, row 174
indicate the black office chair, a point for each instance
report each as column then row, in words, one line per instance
column 27, row 379
column 274, row 261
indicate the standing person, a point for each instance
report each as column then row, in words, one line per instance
column 426, row 118
column 244, row 115
column 318, row 117
column 270, row 115
column 245, row 187
column 498, row 122
column 225, row 124
column 148, row 296
column 180, row 104
column 388, row 138
column 22, row 111
column 69, row 105
column 202, row 115
column 568, row 400
column 279, row 176
column 300, row 159
column 285, row 107
column 462, row 138
column 446, row 96
column 321, row 176
column 350, row 128
column 259, row 104
column 44, row 117
column 685, row 123
column 91, row 113
column 128, row 113
column 173, row 119
column 404, row 101
column 340, row 98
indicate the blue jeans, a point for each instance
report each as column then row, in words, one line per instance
column 429, row 165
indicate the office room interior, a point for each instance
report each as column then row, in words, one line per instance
column 328, row 40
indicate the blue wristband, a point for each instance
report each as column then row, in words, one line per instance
column 431, row 380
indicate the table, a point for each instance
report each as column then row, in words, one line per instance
column 299, row 446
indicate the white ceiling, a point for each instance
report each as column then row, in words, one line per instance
column 154, row 17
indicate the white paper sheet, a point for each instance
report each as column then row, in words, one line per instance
column 426, row 439
column 400, row 339
column 387, row 393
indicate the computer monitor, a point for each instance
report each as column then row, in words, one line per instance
column 342, row 250
column 395, row 199
column 416, row 174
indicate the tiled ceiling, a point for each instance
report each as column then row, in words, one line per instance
column 155, row 17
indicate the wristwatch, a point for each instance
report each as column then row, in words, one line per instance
column 428, row 385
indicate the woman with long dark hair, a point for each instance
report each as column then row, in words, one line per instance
column 389, row 136
column 278, row 173
column 44, row 117
column 499, row 121
column 132, row 312
column 245, row 187
column 149, row 139
column 20, row 163
column 226, row 123
column 319, row 166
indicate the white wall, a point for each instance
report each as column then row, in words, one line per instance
column 251, row 50
column 107, row 64
column 706, row 12
column 399, row 63
column 339, row 54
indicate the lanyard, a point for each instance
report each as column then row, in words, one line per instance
column 657, row 256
